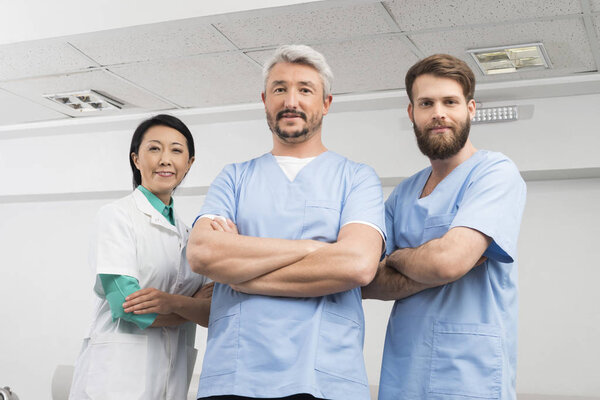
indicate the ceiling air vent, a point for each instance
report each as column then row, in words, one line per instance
column 507, row 59
column 85, row 101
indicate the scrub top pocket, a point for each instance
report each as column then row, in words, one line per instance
column 321, row 220
column 466, row 360
column 436, row 226
column 337, row 350
column 223, row 337
column 126, row 382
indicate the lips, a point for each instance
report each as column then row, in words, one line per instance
column 165, row 174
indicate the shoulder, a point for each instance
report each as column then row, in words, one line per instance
column 407, row 184
column 352, row 167
column 499, row 164
column 237, row 170
column 118, row 210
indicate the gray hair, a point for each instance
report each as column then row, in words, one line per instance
column 301, row 54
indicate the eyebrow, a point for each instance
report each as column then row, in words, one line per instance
column 443, row 98
column 159, row 142
column 303, row 83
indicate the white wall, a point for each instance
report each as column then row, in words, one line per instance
column 45, row 298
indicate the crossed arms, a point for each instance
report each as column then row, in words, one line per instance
column 434, row 263
column 281, row 267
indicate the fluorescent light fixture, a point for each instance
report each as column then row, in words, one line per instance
column 85, row 101
column 495, row 114
column 507, row 59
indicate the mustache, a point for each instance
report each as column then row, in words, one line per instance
column 295, row 113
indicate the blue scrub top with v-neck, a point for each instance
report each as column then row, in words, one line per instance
column 457, row 341
column 263, row 346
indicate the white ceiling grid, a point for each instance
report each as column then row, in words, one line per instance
column 216, row 60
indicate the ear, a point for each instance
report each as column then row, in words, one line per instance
column 190, row 162
column 327, row 104
column 263, row 97
column 471, row 106
column 409, row 110
column 136, row 160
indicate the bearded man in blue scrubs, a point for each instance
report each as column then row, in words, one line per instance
column 451, row 264
column 289, row 237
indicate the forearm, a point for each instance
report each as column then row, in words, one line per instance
column 163, row 320
column 390, row 284
column 335, row 268
column 192, row 309
column 441, row 260
column 228, row 258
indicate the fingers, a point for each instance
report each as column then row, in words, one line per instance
column 223, row 225
column 139, row 293
column 232, row 226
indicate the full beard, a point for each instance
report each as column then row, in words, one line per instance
column 441, row 147
column 296, row 136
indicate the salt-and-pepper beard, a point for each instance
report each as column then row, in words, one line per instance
column 298, row 136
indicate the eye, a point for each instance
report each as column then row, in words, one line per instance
column 425, row 103
column 153, row 148
column 177, row 150
column 278, row 90
column 306, row 90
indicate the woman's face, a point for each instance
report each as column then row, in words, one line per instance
column 163, row 160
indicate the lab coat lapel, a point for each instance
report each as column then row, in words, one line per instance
column 156, row 218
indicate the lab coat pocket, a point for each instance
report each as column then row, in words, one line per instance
column 321, row 220
column 117, row 367
column 436, row 226
column 222, row 343
column 339, row 350
column 466, row 360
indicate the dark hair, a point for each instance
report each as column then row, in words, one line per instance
column 442, row 66
column 158, row 120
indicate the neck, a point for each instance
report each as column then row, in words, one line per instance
column 441, row 168
column 309, row 148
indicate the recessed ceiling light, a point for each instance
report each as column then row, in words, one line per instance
column 85, row 101
column 495, row 114
column 507, row 59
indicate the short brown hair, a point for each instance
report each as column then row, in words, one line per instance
column 442, row 66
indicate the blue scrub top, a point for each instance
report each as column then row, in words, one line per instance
column 457, row 341
column 263, row 346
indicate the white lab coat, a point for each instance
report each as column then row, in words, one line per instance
column 119, row 360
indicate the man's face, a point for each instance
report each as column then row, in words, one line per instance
column 441, row 116
column 294, row 102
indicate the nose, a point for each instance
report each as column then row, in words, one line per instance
column 439, row 112
column 165, row 158
column 291, row 100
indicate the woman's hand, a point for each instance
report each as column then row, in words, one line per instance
column 150, row 300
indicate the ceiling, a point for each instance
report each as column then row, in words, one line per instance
column 217, row 60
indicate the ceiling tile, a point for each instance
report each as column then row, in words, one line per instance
column 40, row 57
column 152, row 42
column 414, row 15
column 565, row 41
column 16, row 110
column 363, row 65
column 98, row 80
column 595, row 5
column 306, row 26
column 199, row 81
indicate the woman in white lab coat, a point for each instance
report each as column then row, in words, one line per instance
column 141, row 341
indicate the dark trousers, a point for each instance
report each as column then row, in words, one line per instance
column 300, row 396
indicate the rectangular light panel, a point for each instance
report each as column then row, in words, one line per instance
column 495, row 114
